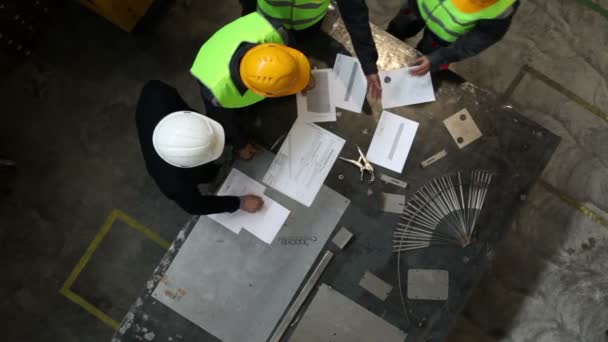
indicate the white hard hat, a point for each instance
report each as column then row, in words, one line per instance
column 187, row 139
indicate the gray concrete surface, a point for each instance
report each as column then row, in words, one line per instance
column 68, row 122
column 549, row 278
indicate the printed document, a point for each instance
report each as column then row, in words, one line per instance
column 317, row 105
column 303, row 162
column 392, row 141
column 399, row 88
column 350, row 85
column 264, row 224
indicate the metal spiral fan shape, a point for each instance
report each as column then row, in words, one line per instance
column 443, row 212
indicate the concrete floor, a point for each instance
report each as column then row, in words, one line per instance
column 68, row 122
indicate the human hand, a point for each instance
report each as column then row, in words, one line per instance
column 310, row 86
column 251, row 203
column 423, row 65
column 374, row 88
column 247, row 152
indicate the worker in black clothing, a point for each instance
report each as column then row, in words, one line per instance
column 179, row 146
column 300, row 17
column 453, row 29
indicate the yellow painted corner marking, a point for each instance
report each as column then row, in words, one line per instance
column 592, row 215
column 90, row 250
column 90, row 308
column 147, row 232
column 101, row 234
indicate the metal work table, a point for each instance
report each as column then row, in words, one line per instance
column 513, row 147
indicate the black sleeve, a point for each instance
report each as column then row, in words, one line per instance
column 355, row 15
column 484, row 35
column 230, row 120
column 248, row 6
column 193, row 202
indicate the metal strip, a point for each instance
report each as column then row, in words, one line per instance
column 433, row 158
column 351, row 81
column 297, row 303
column 396, row 141
column 394, row 181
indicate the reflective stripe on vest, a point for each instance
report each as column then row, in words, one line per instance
column 294, row 14
column 212, row 64
column 449, row 23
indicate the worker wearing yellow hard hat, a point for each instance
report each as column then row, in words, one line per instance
column 303, row 16
column 243, row 63
column 453, row 29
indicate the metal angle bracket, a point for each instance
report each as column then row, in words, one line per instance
column 297, row 303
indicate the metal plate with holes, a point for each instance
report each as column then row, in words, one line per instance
column 375, row 285
column 427, row 284
column 333, row 317
column 462, row 128
column 342, row 237
column 394, row 181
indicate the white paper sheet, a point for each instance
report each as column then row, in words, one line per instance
column 303, row 162
column 392, row 141
column 350, row 84
column 399, row 88
column 264, row 224
column 317, row 105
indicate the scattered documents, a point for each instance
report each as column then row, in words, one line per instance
column 392, row 141
column 317, row 105
column 350, row 84
column 303, row 162
column 399, row 88
column 264, row 224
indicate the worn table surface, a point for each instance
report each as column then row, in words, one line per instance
column 512, row 147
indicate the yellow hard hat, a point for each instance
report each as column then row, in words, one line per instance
column 274, row 70
column 472, row 6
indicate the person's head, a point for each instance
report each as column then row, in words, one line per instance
column 186, row 139
column 274, row 70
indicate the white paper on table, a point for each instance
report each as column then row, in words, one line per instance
column 317, row 105
column 266, row 223
column 350, row 86
column 392, row 141
column 303, row 162
column 399, row 88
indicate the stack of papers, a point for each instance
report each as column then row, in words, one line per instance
column 400, row 88
column 264, row 224
column 303, row 162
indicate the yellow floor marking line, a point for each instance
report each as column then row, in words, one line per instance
column 65, row 290
column 592, row 215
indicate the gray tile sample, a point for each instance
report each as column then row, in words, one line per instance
column 427, row 284
column 333, row 317
column 375, row 285
column 342, row 237
column 236, row 287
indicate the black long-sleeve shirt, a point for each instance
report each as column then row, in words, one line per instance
column 156, row 101
column 355, row 15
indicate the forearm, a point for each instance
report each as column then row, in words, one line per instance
column 485, row 34
column 355, row 15
column 197, row 204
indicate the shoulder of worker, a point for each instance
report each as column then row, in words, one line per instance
column 509, row 11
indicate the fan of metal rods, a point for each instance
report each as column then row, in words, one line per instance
column 443, row 212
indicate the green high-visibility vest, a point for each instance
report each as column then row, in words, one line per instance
column 448, row 22
column 212, row 64
column 294, row 14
